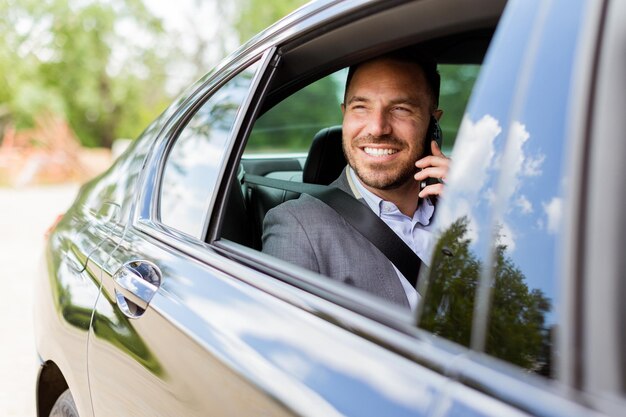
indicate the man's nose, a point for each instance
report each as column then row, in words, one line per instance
column 378, row 124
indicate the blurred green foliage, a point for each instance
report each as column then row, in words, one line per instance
column 291, row 125
column 99, row 65
column 457, row 82
column 102, row 66
column 256, row 15
column 84, row 61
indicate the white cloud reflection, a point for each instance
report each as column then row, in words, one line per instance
column 525, row 206
column 473, row 153
column 554, row 213
column 474, row 156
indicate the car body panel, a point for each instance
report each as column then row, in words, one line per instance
column 246, row 351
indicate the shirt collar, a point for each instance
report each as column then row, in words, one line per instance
column 423, row 213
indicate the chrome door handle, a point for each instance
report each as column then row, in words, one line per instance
column 136, row 282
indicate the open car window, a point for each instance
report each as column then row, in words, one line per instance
column 280, row 140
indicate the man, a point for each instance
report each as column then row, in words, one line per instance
column 388, row 105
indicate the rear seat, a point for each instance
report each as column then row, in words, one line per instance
column 249, row 203
column 323, row 165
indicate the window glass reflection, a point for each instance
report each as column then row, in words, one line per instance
column 464, row 216
column 503, row 233
column 193, row 164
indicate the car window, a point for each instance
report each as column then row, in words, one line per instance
column 193, row 164
column 289, row 126
column 492, row 285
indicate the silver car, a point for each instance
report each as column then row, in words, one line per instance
column 156, row 300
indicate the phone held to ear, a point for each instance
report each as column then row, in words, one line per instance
column 433, row 133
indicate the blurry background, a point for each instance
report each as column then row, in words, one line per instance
column 78, row 80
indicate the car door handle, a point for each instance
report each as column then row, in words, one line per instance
column 135, row 283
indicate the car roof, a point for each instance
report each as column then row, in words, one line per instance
column 319, row 39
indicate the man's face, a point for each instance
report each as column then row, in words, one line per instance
column 386, row 114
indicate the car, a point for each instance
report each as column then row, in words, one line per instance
column 155, row 298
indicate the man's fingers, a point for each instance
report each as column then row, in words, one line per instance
column 433, row 189
column 433, row 160
column 435, row 149
column 431, row 172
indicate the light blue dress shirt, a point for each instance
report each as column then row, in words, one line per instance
column 414, row 231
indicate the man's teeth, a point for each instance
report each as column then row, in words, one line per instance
column 379, row 151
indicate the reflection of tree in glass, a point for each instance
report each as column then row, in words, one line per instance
column 216, row 116
column 223, row 114
column 517, row 331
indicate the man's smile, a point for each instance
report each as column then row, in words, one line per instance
column 379, row 151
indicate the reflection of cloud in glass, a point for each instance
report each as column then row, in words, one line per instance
column 532, row 166
column 513, row 159
column 473, row 156
column 524, row 204
column 200, row 151
column 475, row 153
column 518, row 164
column 184, row 208
column 554, row 211
column 489, row 196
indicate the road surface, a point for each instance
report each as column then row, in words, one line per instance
column 25, row 214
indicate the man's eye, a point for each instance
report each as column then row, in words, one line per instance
column 402, row 110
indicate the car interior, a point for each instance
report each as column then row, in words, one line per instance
column 458, row 43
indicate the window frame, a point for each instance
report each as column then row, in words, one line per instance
column 176, row 133
column 146, row 216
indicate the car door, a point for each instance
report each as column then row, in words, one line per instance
column 157, row 360
column 219, row 337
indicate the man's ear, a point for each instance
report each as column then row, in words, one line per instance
column 437, row 114
column 343, row 109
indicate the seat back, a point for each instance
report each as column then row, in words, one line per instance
column 325, row 160
column 323, row 165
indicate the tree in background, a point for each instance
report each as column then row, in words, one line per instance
column 256, row 15
column 87, row 62
column 95, row 63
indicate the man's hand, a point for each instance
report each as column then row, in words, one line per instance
column 433, row 166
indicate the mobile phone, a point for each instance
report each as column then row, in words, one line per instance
column 433, row 133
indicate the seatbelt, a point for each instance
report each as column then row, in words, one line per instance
column 359, row 216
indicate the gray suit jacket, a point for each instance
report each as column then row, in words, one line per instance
column 310, row 234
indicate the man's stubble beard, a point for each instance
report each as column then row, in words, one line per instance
column 391, row 181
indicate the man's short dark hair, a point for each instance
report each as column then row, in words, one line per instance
column 412, row 56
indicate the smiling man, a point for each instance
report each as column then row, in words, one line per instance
column 389, row 104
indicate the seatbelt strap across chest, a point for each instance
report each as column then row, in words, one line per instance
column 359, row 216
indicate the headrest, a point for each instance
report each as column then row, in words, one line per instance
column 325, row 160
